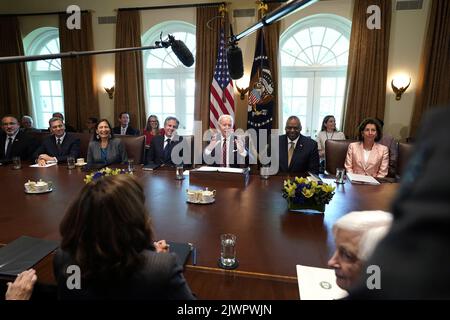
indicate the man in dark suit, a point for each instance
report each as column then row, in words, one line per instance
column 125, row 128
column 413, row 258
column 69, row 128
column 58, row 146
column 297, row 153
column 13, row 142
column 225, row 148
column 160, row 151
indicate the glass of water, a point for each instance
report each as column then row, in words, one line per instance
column 16, row 163
column 228, row 251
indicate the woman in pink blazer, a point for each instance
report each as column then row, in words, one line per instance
column 367, row 156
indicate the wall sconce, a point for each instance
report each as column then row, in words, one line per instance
column 108, row 84
column 399, row 86
column 240, row 86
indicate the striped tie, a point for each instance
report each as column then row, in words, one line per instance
column 224, row 153
column 291, row 152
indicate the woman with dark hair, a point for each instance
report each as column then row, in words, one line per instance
column 152, row 129
column 106, row 233
column 328, row 131
column 367, row 156
column 104, row 148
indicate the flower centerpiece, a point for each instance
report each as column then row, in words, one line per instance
column 305, row 195
column 104, row 173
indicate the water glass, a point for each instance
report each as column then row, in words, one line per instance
column 70, row 163
column 130, row 165
column 264, row 172
column 228, row 250
column 340, row 174
column 179, row 172
column 16, row 163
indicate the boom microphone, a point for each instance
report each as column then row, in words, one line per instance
column 235, row 62
column 181, row 51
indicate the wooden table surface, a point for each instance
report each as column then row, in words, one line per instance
column 271, row 241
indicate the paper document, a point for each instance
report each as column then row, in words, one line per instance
column 221, row 169
column 318, row 284
column 44, row 166
column 360, row 178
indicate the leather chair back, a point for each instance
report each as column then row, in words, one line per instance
column 135, row 147
column 335, row 153
column 404, row 153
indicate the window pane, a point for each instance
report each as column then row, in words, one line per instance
column 155, row 105
column 46, row 104
column 168, row 86
column 190, row 87
column 155, row 87
column 58, row 105
column 317, row 34
column 56, row 88
column 44, row 88
column 189, row 105
column 300, row 86
column 328, row 87
column 169, row 105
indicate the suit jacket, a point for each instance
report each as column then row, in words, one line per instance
column 160, row 278
column 23, row 146
column 116, row 152
column 235, row 159
column 155, row 154
column 413, row 257
column 69, row 147
column 377, row 165
column 304, row 159
column 130, row 131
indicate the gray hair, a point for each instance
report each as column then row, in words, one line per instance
column 372, row 225
column 226, row 116
column 29, row 118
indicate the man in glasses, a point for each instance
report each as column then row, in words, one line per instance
column 13, row 142
column 297, row 153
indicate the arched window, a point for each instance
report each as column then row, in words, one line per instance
column 314, row 55
column 45, row 75
column 169, row 85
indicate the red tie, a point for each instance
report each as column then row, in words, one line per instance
column 224, row 153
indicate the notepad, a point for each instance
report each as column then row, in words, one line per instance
column 23, row 253
column 318, row 284
column 221, row 169
column 361, row 179
column 182, row 250
column 48, row 164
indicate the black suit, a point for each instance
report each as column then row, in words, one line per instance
column 70, row 146
column 130, row 131
column 413, row 258
column 156, row 153
column 235, row 159
column 304, row 159
column 160, row 278
column 23, row 146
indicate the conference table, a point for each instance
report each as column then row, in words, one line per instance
column 271, row 240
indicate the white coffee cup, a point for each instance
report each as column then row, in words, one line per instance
column 30, row 186
column 41, row 186
column 80, row 160
column 208, row 196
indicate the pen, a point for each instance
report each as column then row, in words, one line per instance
column 194, row 254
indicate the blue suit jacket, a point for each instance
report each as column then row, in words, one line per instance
column 69, row 147
column 155, row 154
column 130, row 131
column 305, row 158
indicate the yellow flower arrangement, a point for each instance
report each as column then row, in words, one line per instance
column 301, row 191
column 104, row 173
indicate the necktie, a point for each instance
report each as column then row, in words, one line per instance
column 290, row 152
column 167, row 151
column 58, row 144
column 8, row 149
column 224, row 153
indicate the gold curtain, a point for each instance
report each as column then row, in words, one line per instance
column 272, row 40
column 129, row 71
column 433, row 85
column 13, row 76
column 367, row 66
column 207, row 39
column 80, row 93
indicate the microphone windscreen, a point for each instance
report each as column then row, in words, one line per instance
column 182, row 52
column 235, row 62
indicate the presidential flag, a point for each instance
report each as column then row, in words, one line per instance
column 222, row 96
column 261, row 87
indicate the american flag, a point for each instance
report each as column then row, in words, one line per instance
column 221, row 99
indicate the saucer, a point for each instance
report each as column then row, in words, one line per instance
column 80, row 164
column 37, row 192
column 201, row 202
